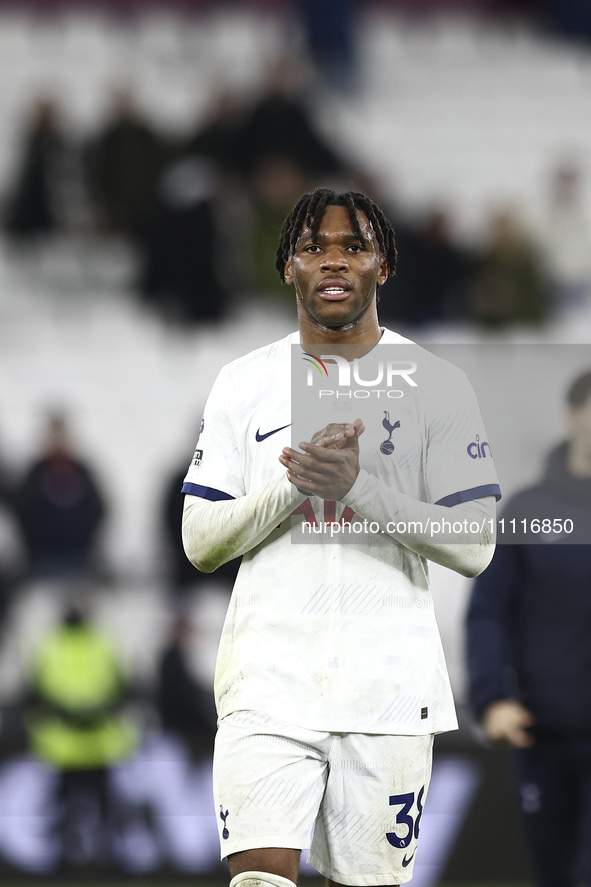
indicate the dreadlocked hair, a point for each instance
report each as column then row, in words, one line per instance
column 309, row 212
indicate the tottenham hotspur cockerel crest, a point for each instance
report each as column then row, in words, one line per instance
column 387, row 447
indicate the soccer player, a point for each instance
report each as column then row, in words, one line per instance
column 330, row 679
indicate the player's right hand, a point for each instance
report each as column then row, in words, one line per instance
column 508, row 721
column 336, row 435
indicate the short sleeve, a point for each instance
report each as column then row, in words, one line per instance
column 459, row 465
column 216, row 471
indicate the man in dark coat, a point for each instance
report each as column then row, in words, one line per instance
column 529, row 652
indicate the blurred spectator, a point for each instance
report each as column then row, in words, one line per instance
column 60, row 508
column 217, row 136
column 75, row 726
column 528, row 633
column 185, row 707
column 180, row 249
column 432, row 273
column 508, row 286
column 183, row 575
column 124, row 163
column 570, row 18
column 563, row 228
column 330, row 28
column 34, row 206
column 11, row 551
column 277, row 183
column 6, row 482
column 280, row 125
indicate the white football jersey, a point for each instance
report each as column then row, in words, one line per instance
column 338, row 637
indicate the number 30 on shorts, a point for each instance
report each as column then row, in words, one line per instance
column 404, row 817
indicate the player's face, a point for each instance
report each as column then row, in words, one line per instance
column 336, row 274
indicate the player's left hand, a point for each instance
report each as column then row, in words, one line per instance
column 335, row 435
column 321, row 470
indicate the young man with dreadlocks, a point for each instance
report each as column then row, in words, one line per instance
column 330, row 680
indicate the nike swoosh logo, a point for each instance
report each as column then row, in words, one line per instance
column 261, row 437
column 408, row 861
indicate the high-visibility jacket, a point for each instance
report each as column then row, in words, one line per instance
column 78, row 686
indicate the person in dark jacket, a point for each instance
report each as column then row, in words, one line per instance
column 529, row 652
column 185, row 707
column 60, row 508
column 124, row 163
column 33, row 203
column 280, row 124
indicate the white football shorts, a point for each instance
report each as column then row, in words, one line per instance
column 361, row 794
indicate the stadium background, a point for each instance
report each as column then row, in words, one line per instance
column 467, row 106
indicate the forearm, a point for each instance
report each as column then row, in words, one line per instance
column 488, row 665
column 490, row 622
column 217, row 532
column 419, row 525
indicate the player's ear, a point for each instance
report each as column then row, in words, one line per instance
column 384, row 271
column 287, row 275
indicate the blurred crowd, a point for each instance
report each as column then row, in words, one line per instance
column 78, row 710
column 57, row 509
column 203, row 212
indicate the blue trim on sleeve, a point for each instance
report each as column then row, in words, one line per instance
column 205, row 492
column 474, row 493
